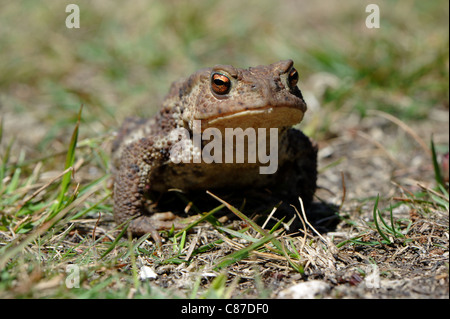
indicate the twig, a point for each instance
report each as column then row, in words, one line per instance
column 44, row 187
column 403, row 126
column 307, row 222
column 344, row 191
column 269, row 217
column 192, row 245
column 95, row 226
column 432, row 191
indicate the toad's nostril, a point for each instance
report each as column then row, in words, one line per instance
column 282, row 67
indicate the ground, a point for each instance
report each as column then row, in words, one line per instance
column 378, row 101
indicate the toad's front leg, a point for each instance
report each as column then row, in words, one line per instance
column 131, row 182
column 301, row 153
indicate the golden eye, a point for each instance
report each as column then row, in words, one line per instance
column 293, row 78
column 220, row 83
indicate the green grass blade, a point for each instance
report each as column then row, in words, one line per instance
column 255, row 226
column 70, row 160
column 182, row 242
column 277, row 225
column 4, row 164
column 15, row 179
column 238, row 234
column 397, row 233
column 375, row 209
column 437, row 169
column 206, row 216
column 242, row 253
column 1, row 130
column 115, row 242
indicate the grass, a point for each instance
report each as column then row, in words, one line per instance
column 65, row 92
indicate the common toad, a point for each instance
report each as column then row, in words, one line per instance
column 221, row 97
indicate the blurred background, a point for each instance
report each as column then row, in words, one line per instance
column 123, row 58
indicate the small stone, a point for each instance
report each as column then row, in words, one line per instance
column 304, row 290
column 147, row 273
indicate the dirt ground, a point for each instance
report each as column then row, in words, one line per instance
column 374, row 157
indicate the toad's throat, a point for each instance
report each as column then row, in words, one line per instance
column 265, row 117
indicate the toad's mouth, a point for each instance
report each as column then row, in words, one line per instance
column 265, row 117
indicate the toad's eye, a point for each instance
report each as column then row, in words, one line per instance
column 293, row 78
column 220, row 83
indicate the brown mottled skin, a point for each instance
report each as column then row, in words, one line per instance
column 262, row 96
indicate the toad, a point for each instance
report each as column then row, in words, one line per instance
column 266, row 99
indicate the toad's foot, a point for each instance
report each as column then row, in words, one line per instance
column 153, row 223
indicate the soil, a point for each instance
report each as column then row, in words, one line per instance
column 373, row 156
